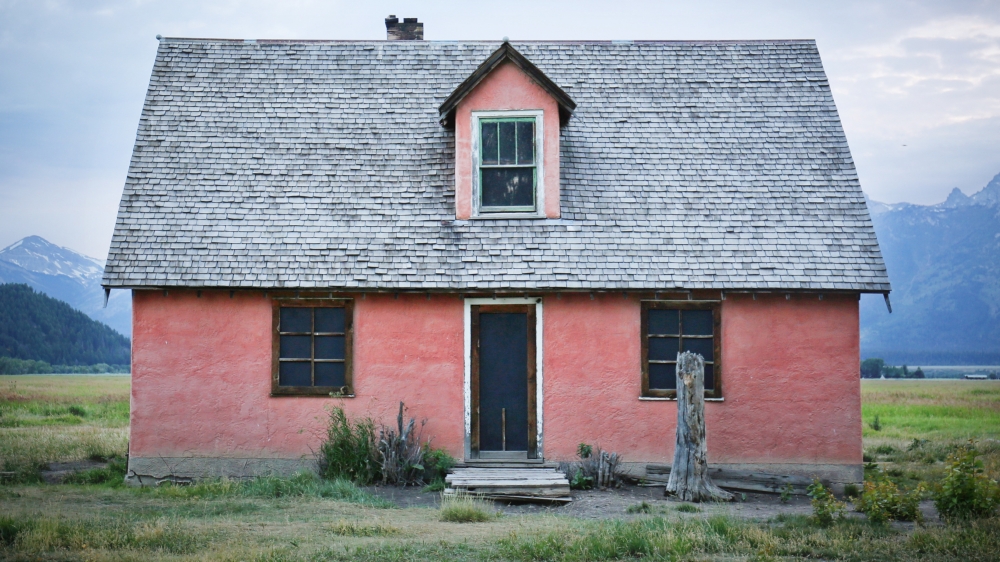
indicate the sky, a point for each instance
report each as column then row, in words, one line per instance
column 917, row 83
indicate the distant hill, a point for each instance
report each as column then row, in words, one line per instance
column 38, row 327
column 944, row 266
column 68, row 276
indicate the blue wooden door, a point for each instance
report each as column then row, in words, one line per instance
column 504, row 377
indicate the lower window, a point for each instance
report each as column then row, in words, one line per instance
column 312, row 347
column 672, row 327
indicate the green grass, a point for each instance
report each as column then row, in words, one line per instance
column 305, row 518
column 53, row 418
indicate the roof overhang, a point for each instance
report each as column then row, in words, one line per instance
column 506, row 53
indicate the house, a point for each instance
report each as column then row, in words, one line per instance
column 513, row 238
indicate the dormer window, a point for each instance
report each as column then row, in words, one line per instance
column 507, row 169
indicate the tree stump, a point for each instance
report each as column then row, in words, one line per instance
column 689, row 478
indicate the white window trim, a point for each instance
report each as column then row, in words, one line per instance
column 539, row 211
column 539, row 371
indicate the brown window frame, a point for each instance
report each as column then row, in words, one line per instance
column 346, row 391
column 715, row 307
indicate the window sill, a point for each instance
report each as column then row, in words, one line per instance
column 664, row 399
column 490, row 216
column 328, row 394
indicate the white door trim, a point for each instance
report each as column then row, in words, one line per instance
column 539, row 375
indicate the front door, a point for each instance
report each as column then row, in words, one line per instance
column 503, row 382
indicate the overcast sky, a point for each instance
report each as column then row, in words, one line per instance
column 917, row 83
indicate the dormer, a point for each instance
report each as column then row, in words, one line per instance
column 507, row 115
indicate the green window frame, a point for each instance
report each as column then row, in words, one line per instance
column 508, row 156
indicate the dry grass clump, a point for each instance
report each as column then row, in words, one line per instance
column 356, row 529
column 466, row 508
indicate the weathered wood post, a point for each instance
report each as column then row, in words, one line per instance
column 689, row 478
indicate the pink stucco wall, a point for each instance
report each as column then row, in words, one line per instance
column 506, row 88
column 201, row 374
column 790, row 382
column 201, row 378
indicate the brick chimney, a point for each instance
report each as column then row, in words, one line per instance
column 409, row 30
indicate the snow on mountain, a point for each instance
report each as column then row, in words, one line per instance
column 67, row 275
column 38, row 255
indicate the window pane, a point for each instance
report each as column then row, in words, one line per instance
column 698, row 322
column 525, row 142
column 703, row 347
column 295, row 320
column 296, row 347
column 330, row 320
column 663, row 349
column 709, row 377
column 329, row 347
column 490, row 141
column 507, row 142
column 508, row 187
column 295, row 374
column 663, row 321
column 329, row 374
column 662, row 376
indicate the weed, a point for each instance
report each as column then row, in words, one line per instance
column 643, row 507
column 786, row 493
column 851, row 490
column 825, row 506
column 966, row 492
column 437, row 485
column 352, row 529
column 303, row 484
column 113, row 474
column 882, row 501
column 466, row 508
column 349, row 451
column 883, row 449
column 688, row 508
column 876, row 425
column 584, row 451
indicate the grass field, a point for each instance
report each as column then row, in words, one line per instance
column 48, row 418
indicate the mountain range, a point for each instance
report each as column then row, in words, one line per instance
column 66, row 275
column 944, row 266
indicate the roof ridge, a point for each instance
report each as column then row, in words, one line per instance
column 497, row 41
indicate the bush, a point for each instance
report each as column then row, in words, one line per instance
column 349, row 451
column 824, row 503
column 882, row 501
column 851, row 490
column 437, row 463
column 966, row 492
column 466, row 508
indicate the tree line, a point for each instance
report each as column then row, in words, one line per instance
column 876, row 368
column 36, row 327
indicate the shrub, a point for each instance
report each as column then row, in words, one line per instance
column 401, row 452
column 882, row 501
column 349, row 450
column 466, row 508
column 591, row 468
column 851, row 490
column 966, row 492
column 437, row 463
column 824, row 503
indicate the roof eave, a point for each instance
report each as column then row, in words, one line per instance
column 506, row 53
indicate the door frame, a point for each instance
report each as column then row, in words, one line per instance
column 471, row 429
